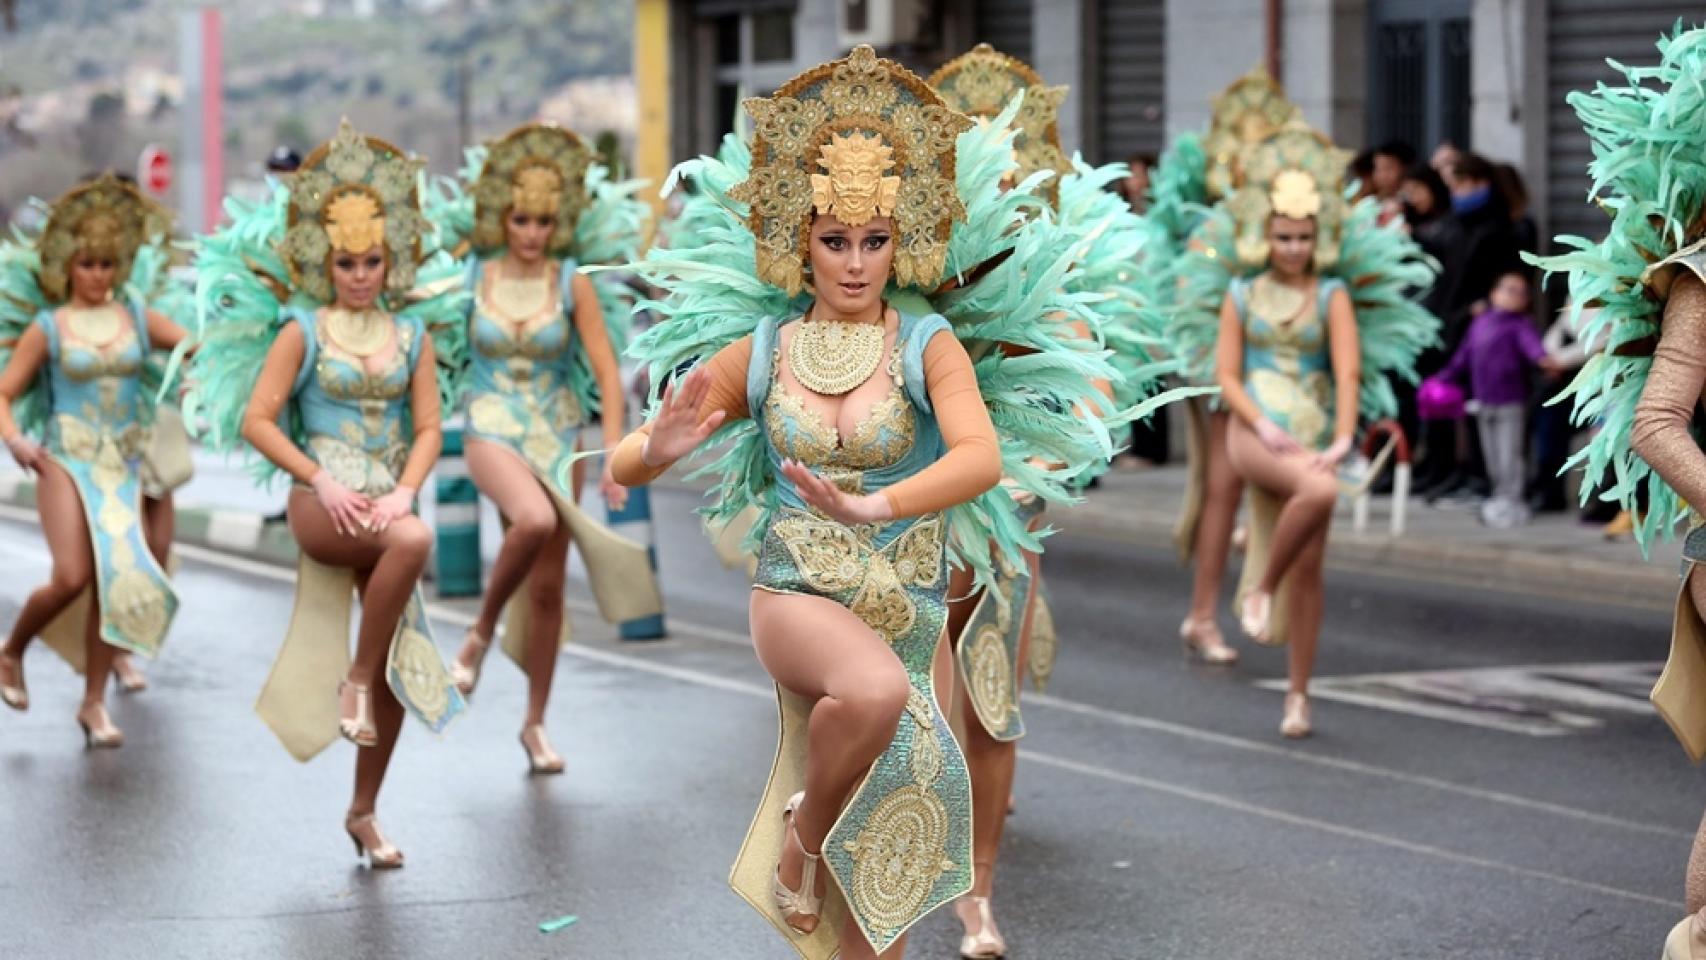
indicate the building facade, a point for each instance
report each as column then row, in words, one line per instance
column 1489, row 75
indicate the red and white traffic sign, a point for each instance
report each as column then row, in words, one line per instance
column 154, row 169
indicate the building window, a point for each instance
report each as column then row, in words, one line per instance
column 1419, row 72
column 773, row 37
column 728, row 40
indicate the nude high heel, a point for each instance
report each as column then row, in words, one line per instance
column 99, row 733
column 1295, row 724
column 799, row 908
column 1202, row 638
column 541, row 759
column 1687, row 940
column 985, row 943
column 364, row 833
column 1254, row 616
column 355, row 714
column 465, row 669
column 129, row 676
column 12, row 691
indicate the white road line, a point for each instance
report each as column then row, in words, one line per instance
column 1116, row 717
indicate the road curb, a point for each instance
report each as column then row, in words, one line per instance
column 241, row 533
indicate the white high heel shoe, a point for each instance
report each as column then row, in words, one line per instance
column 799, row 908
column 985, row 943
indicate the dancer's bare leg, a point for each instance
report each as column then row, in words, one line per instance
column 1309, row 494
column 372, row 762
column 502, row 476
column 391, row 560
column 1222, row 490
column 1305, row 603
column 67, row 534
column 545, row 620
column 817, row 649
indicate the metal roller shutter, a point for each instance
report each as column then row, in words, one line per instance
column 1580, row 36
column 1129, row 40
column 1006, row 26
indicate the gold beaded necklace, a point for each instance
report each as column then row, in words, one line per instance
column 97, row 326
column 359, row 333
column 831, row 357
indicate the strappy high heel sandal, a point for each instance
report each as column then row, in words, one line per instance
column 465, row 669
column 355, row 714
column 129, row 676
column 99, row 733
column 1295, row 724
column 799, row 908
column 364, row 833
column 1255, row 615
column 541, row 759
column 12, row 690
column 983, row 943
column 1202, row 639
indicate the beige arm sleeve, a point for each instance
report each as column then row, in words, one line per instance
column 424, row 413
column 26, row 362
column 728, row 393
column 1660, row 434
column 595, row 340
column 271, row 393
column 972, row 464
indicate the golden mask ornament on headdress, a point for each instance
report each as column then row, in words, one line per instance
column 982, row 83
column 853, row 138
column 103, row 219
column 539, row 169
column 353, row 193
column 1245, row 114
column 1295, row 173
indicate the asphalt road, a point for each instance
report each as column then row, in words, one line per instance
column 1486, row 783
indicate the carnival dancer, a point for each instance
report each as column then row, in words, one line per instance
column 1645, row 279
column 1195, row 173
column 841, row 370
column 312, row 357
column 542, row 342
column 992, row 635
column 74, row 358
column 1319, row 308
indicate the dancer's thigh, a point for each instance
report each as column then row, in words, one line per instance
column 1283, row 476
column 501, row 475
column 815, row 647
column 312, row 527
column 63, row 525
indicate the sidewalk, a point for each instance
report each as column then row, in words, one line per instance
column 222, row 509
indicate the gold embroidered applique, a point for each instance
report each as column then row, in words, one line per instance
column 417, row 664
column 540, row 168
column 982, row 83
column 990, row 677
column 834, row 559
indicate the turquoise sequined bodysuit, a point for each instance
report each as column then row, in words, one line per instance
column 99, row 417
column 356, row 425
column 1288, row 366
column 902, row 846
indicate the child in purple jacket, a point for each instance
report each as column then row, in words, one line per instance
column 1500, row 346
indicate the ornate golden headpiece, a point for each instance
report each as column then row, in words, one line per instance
column 1295, row 173
column 1248, row 112
column 105, row 217
column 853, row 138
column 539, row 168
column 353, row 193
column 981, row 84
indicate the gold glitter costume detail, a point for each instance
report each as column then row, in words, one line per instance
column 538, row 168
column 831, row 357
column 103, row 218
column 828, row 118
column 833, row 558
column 1295, row 173
column 1248, row 112
column 981, row 83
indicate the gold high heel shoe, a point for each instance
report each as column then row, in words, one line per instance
column 1687, row 940
column 1202, row 638
column 129, row 676
column 99, row 733
column 985, row 943
column 12, row 691
column 1295, row 724
column 541, row 759
column 1254, row 616
column 355, row 714
column 364, row 833
column 463, row 673
column 799, row 908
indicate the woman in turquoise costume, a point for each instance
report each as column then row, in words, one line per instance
column 306, row 359
column 74, row 372
column 542, row 341
column 993, row 632
column 1315, row 309
column 841, row 372
column 1645, row 279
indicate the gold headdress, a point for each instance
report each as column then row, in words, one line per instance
column 1295, row 173
column 105, row 217
column 539, row 168
column 853, row 138
column 1248, row 112
column 353, row 193
column 981, row 83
